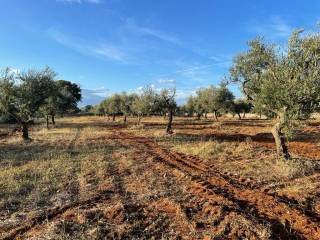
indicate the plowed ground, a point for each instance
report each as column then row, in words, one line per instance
column 150, row 190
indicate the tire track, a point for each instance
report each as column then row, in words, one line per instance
column 286, row 222
column 208, row 186
column 55, row 212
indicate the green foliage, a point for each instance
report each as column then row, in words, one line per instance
column 190, row 106
column 7, row 118
column 277, row 80
column 127, row 102
column 201, row 103
column 281, row 82
column 240, row 106
column 62, row 99
column 148, row 102
column 69, row 95
column 220, row 99
column 165, row 101
column 145, row 103
column 210, row 99
column 112, row 105
column 22, row 95
column 88, row 108
column 99, row 110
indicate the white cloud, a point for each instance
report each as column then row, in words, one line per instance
column 104, row 50
column 101, row 92
column 276, row 27
column 197, row 72
column 280, row 27
column 110, row 51
column 93, row 96
column 132, row 44
column 224, row 61
column 132, row 26
column 184, row 94
column 80, row 1
column 161, row 80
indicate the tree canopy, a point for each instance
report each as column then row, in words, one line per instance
column 210, row 100
column 29, row 94
column 148, row 102
column 62, row 99
column 285, row 82
column 22, row 95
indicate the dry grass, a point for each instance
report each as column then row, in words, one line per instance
column 56, row 168
column 80, row 158
column 244, row 160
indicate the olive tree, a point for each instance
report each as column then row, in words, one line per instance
column 22, row 95
column 200, row 102
column 240, row 106
column 63, row 98
column 204, row 96
column 211, row 100
column 144, row 103
column 126, row 104
column 190, row 105
column 219, row 99
column 166, row 98
column 113, row 105
column 99, row 109
column 285, row 82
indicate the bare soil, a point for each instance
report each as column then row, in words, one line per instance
column 155, row 186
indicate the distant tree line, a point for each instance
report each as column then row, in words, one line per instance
column 216, row 100
column 35, row 93
column 148, row 102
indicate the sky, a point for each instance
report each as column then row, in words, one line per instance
column 109, row 46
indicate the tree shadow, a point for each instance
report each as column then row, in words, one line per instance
column 299, row 136
column 247, row 123
column 223, row 137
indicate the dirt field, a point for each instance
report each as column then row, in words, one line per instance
column 88, row 178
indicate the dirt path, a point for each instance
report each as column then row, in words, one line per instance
column 286, row 222
column 213, row 200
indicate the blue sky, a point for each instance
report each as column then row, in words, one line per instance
column 121, row 45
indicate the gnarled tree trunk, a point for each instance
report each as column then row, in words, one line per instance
column 198, row 116
column 53, row 121
column 47, row 121
column 113, row 117
column 125, row 119
column 239, row 116
column 139, row 119
column 277, row 132
column 169, row 126
column 216, row 115
column 25, row 130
